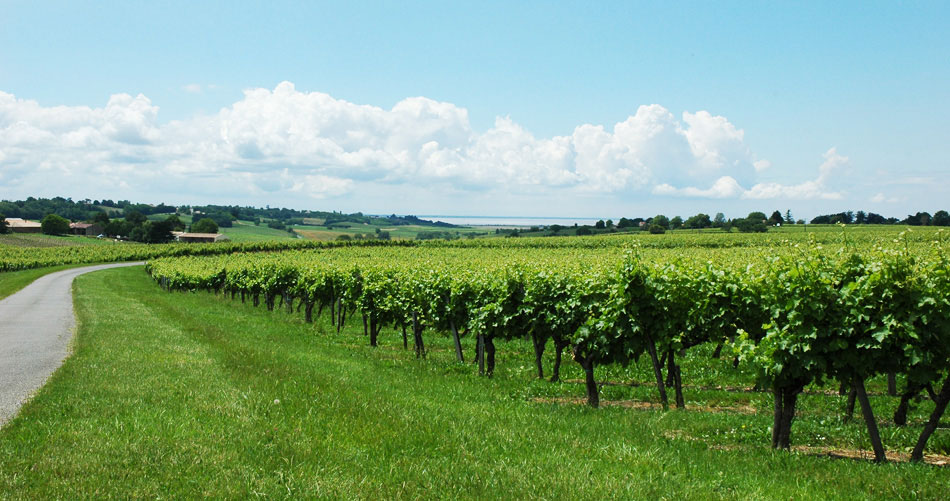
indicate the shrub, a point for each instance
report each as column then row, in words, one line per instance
column 55, row 225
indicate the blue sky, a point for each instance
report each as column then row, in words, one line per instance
column 481, row 108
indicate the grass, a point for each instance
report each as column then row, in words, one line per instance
column 187, row 395
column 13, row 281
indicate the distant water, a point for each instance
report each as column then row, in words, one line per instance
column 524, row 222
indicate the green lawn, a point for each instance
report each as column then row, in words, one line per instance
column 185, row 395
column 12, row 281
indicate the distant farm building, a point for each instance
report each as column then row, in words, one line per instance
column 206, row 238
column 88, row 229
column 18, row 225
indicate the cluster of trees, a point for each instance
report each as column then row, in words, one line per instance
column 38, row 208
column 432, row 235
column 380, row 235
column 81, row 210
column 939, row 218
column 754, row 222
column 406, row 220
column 136, row 227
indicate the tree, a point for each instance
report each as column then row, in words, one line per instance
column 55, row 225
column 750, row 225
column 657, row 229
column 699, row 221
column 919, row 219
column 776, row 218
column 843, row 217
column 676, row 223
column 661, row 221
column 157, row 232
column 119, row 228
column 224, row 219
column 757, row 216
column 861, row 217
column 600, row 224
column 175, row 222
column 788, row 217
column 205, row 225
column 940, row 218
column 135, row 217
column 101, row 217
column 719, row 220
column 4, row 225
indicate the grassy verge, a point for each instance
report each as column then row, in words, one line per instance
column 186, row 395
column 12, row 281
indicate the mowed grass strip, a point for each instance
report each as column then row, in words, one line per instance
column 186, row 395
column 13, row 281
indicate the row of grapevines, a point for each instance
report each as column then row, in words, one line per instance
column 21, row 258
column 797, row 314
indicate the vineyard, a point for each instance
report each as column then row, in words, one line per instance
column 792, row 315
column 24, row 258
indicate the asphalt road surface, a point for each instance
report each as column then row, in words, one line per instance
column 36, row 325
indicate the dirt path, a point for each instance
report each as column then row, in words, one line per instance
column 36, row 325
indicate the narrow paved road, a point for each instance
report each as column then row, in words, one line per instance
column 36, row 325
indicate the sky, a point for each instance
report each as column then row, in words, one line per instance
column 545, row 109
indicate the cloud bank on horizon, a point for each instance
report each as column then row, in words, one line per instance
column 312, row 144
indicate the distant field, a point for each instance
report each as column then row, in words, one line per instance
column 40, row 240
column 243, row 231
column 402, row 232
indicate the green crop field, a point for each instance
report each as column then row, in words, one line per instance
column 40, row 240
column 412, row 370
column 187, row 395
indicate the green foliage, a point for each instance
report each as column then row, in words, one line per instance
column 135, row 217
column 54, row 225
column 750, row 225
column 661, row 221
column 204, row 225
column 776, row 219
column 4, row 225
column 157, row 232
column 224, row 219
column 311, row 415
column 798, row 314
column 699, row 221
column 176, row 223
column 101, row 217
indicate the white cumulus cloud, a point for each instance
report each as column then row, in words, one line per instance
column 728, row 187
column 283, row 140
